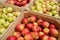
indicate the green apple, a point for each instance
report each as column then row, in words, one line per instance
column 54, row 12
column 9, row 9
column 6, row 24
column 56, row 15
column 9, row 14
column 10, row 19
column 4, row 16
column 16, row 13
column 4, row 10
column 1, row 26
column 14, row 17
column 0, row 15
column 2, row 21
column 2, row 30
column 54, row 7
column 33, row 8
column 41, row 1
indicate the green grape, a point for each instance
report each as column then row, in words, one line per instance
column 4, row 10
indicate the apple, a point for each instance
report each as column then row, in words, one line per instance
column 54, row 32
column 29, row 25
column 6, row 24
column 16, row 13
column 35, row 35
column 4, row 16
column 20, row 38
column 2, row 30
column 24, row 3
column 19, row 27
column 52, row 38
column 12, row 38
column 45, row 24
column 9, row 14
column 28, row 37
column 17, row 34
column 32, row 19
column 25, row 20
column 36, row 28
column 45, row 37
column 10, row 19
column 46, row 30
column 9, row 9
column 35, row 23
column 25, row 31
column 52, row 26
column 11, row 2
column 4, row 10
column 41, row 34
column 2, row 21
column 40, row 21
column 1, row 26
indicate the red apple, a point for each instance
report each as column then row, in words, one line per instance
column 36, row 28
column 28, row 37
column 25, row 31
column 20, row 38
column 41, row 34
column 19, row 0
column 12, row 2
column 40, row 21
column 12, row 38
column 32, row 19
column 19, row 27
column 24, row 3
column 45, row 24
column 45, row 37
column 52, row 38
column 17, row 34
column 46, row 30
column 52, row 26
column 25, row 20
column 35, row 23
column 29, row 25
column 35, row 35
column 17, row 3
column 54, row 32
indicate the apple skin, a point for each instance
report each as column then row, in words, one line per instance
column 46, row 30
column 45, row 37
column 19, row 27
column 24, row 3
column 54, row 32
column 29, row 25
column 25, row 31
column 52, row 26
column 35, row 35
column 32, row 19
column 40, row 21
column 35, row 23
column 28, row 37
column 20, row 38
column 41, row 34
column 12, row 38
column 17, row 34
column 52, row 38
column 45, row 24
column 25, row 20
column 36, row 29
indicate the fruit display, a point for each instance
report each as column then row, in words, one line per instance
column 18, row 2
column 7, row 16
column 50, row 7
column 33, row 28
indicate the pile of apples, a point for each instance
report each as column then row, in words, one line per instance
column 18, row 2
column 50, row 7
column 33, row 28
column 7, row 16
